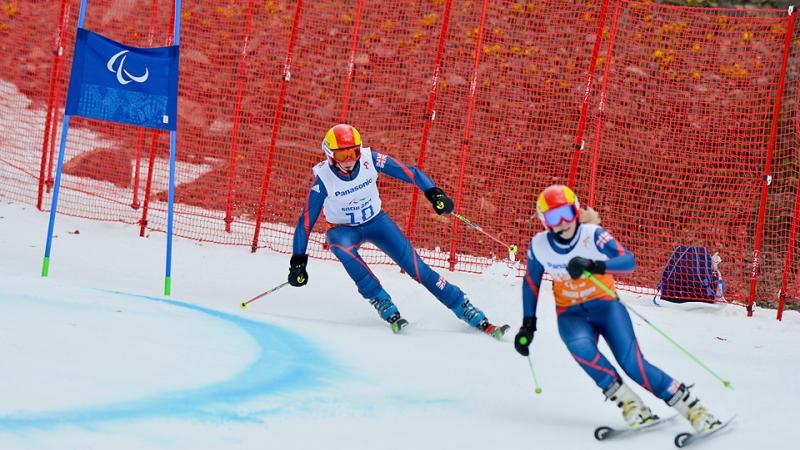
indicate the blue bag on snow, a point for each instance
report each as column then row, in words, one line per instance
column 691, row 275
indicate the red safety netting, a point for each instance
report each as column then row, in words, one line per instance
column 676, row 154
column 663, row 118
column 785, row 201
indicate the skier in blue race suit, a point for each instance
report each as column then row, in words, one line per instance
column 345, row 189
column 585, row 312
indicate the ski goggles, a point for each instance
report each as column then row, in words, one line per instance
column 555, row 216
column 347, row 154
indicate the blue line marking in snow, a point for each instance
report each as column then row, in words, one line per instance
column 286, row 362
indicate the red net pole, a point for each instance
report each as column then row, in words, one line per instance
column 237, row 116
column 153, row 149
column 598, row 130
column 787, row 268
column 465, row 140
column 576, row 153
column 137, row 169
column 429, row 113
column 58, row 52
column 58, row 99
column 46, row 137
column 149, row 185
column 140, row 134
column 54, row 128
column 351, row 63
column 767, row 177
column 287, row 74
column 57, row 88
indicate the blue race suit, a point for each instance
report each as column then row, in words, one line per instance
column 583, row 319
column 381, row 230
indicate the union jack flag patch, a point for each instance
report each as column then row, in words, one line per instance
column 381, row 160
column 441, row 283
column 603, row 239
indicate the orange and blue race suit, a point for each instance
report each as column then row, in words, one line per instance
column 586, row 312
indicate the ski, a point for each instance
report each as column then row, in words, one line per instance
column 496, row 332
column 684, row 439
column 604, row 433
column 398, row 325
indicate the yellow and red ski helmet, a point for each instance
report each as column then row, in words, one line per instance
column 340, row 137
column 553, row 197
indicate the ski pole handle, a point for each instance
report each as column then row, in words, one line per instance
column 282, row 285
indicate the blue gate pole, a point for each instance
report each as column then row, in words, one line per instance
column 57, row 185
column 173, row 138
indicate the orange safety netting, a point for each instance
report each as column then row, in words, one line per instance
column 665, row 120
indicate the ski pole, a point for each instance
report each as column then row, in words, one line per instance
column 608, row 291
column 537, row 389
column 512, row 249
column 245, row 303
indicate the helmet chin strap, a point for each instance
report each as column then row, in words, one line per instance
column 342, row 169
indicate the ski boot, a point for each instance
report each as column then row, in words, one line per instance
column 690, row 408
column 467, row 312
column 388, row 311
column 634, row 411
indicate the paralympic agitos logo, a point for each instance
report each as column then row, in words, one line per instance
column 123, row 76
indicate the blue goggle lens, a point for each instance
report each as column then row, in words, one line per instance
column 565, row 213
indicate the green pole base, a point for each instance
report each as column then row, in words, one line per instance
column 167, row 286
column 45, row 266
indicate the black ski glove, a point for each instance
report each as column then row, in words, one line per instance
column 297, row 270
column 578, row 264
column 524, row 336
column 440, row 201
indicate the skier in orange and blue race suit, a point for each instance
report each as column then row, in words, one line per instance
column 345, row 189
column 585, row 312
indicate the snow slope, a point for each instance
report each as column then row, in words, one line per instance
column 93, row 357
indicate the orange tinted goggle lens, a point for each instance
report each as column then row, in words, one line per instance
column 347, row 154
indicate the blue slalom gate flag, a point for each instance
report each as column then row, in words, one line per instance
column 119, row 83
column 113, row 82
